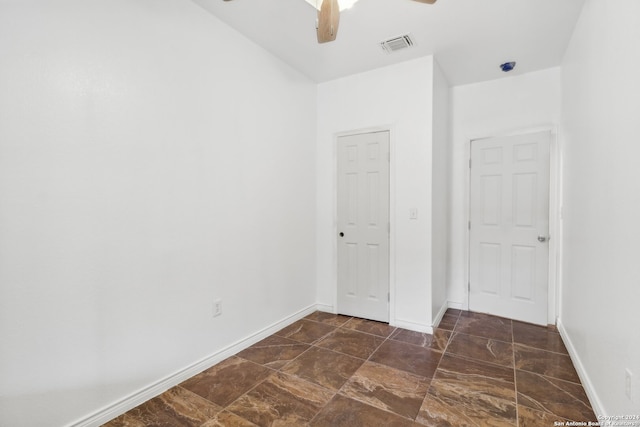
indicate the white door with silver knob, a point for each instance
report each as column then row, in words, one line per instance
column 363, row 225
column 509, row 227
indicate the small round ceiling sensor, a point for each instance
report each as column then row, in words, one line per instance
column 508, row 66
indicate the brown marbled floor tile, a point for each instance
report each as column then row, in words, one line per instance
column 484, row 325
column 353, row 343
column 453, row 311
column 227, row 419
column 484, row 349
column 226, row 381
column 369, row 326
column 328, row 318
column 306, row 331
column 437, row 411
column 538, row 337
column 324, row 354
column 387, row 388
column 437, row 341
column 274, row 351
column 324, row 367
column 448, row 321
column 470, row 392
column 528, row 417
column 176, row 407
column 564, row 399
column 544, row 362
column 408, row 357
column 281, row 399
column 345, row 412
column 460, row 369
column 125, row 420
column 454, row 402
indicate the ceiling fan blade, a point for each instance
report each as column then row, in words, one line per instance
column 426, row 1
column 328, row 19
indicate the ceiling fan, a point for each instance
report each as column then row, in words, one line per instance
column 329, row 18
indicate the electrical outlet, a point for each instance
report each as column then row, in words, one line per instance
column 217, row 307
column 627, row 382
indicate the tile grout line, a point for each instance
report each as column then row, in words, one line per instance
column 279, row 370
column 541, row 349
column 250, row 389
column 368, row 360
column 346, row 354
column 391, row 341
column 515, row 376
column 437, row 367
column 389, row 338
column 313, row 345
column 225, row 407
column 337, row 392
column 544, row 350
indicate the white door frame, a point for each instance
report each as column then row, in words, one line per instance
column 392, row 213
column 555, row 223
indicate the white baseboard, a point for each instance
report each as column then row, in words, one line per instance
column 456, row 305
column 326, row 308
column 439, row 315
column 596, row 404
column 417, row 327
column 129, row 402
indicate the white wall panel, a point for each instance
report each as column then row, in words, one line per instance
column 600, row 285
column 527, row 102
column 378, row 99
column 151, row 160
column 441, row 193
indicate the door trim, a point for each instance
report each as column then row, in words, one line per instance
column 555, row 220
column 392, row 214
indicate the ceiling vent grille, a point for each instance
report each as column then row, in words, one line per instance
column 397, row 43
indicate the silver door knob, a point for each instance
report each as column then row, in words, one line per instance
column 542, row 238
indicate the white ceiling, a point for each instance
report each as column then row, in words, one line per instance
column 469, row 38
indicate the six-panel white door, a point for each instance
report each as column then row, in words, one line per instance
column 363, row 225
column 509, row 227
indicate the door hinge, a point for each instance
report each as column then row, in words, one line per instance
column 469, row 163
column 468, row 287
column 388, row 297
column 469, row 225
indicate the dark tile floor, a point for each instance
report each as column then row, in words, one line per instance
column 331, row 370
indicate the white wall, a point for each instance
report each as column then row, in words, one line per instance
column 601, row 272
column 151, row 160
column 515, row 104
column 441, row 193
column 398, row 97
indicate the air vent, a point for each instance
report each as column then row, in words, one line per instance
column 397, row 43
